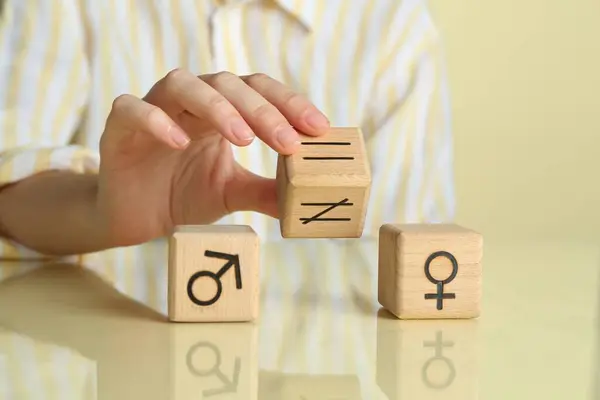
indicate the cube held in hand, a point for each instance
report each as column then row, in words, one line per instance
column 323, row 188
column 213, row 273
column 429, row 271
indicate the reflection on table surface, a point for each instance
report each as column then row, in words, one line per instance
column 33, row 369
column 100, row 331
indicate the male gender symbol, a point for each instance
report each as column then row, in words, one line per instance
column 229, row 385
column 232, row 261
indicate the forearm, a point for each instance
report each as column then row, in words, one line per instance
column 54, row 213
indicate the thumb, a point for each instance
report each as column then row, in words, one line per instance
column 250, row 192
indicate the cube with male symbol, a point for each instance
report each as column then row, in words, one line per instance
column 213, row 273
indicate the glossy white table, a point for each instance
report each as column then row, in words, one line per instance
column 67, row 333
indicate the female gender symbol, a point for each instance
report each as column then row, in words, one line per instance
column 440, row 295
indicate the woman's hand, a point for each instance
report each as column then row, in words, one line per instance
column 167, row 160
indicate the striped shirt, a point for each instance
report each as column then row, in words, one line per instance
column 376, row 65
column 373, row 64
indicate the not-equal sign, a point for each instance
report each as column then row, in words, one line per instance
column 327, row 157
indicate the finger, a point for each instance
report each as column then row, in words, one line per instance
column 301, row 113
column 181, row 91
column 131, row 114
column 267, row 122
column 250, row 192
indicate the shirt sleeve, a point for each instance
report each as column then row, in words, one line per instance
column 408, row 130
column 43, row 91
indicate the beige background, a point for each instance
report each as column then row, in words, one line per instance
column 525, row 81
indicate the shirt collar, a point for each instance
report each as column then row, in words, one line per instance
column 299, row 9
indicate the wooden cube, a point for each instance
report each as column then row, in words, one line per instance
column 428, row 359
column 213, row 273
column 430, row 271
column 323, row 188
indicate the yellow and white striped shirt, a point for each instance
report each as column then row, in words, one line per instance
column 374, row 64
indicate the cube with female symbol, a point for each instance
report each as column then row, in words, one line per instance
column 430, row 271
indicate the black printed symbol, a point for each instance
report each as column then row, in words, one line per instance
column 327, row 144
column 232, row 261
column 440, row 295
column 229, row 386
column 439, row 346
column 330, row 206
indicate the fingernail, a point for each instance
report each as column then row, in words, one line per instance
column 317, row 120
column 179, row 137
column 241, row 130
column 288, row 137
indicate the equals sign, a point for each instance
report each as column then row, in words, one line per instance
column 327, row 144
